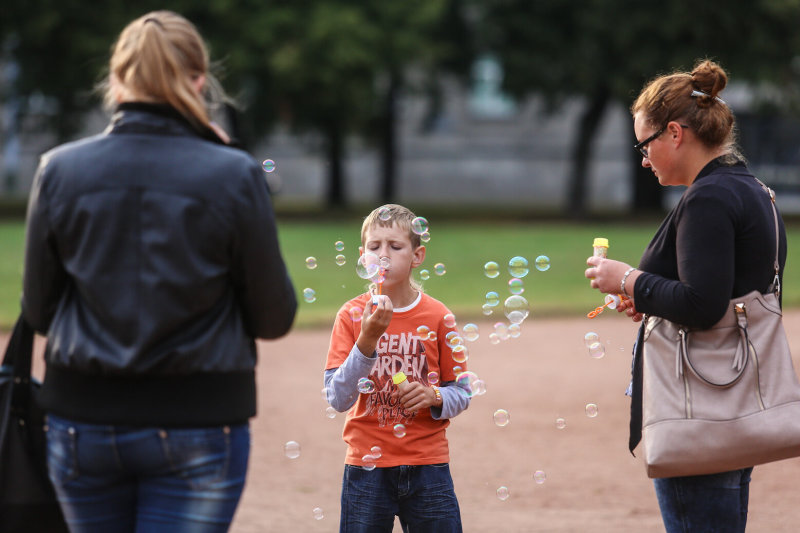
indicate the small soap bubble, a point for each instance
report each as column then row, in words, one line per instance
column 491, row 269
column 466, row 381
column 356, row 313
column 424, row 332
column 457, row 370
column 517, row 308
column 561, row 423
column 419, row 225
column 515, row 286
column 460, row 354
column 433, row 378
column 368, row 265
column 518, row 267
column 591, row 338
column 501, row 418
column 368, row 462
column 366, row 386
column 502, row 493
column 591, row 410
column 330, row 412
column 425, row 236
column 399, row 431
column 339, row 245
column 385, row 213
column 311, row 262
column 318, row 514
column 453, row 339
column 424, row 274
column 291, row 449
column 492, row 298
column 597, row 350
column 439, row 269
column 479, row 387
column 376, row 452
column 514, row 331
column 309, row 295
column 539, row 477
column 486, row 309
column 502, row 330
column 449, row 320
column 470, row 332
column 432, row 336
column 542, row 263
column 268, row 165
column 340, row 259
column 494, row 338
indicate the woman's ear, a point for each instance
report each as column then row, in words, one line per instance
column 198, row 82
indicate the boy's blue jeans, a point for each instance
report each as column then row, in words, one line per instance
column 421, row 496
column 707, row 504
column 114, row 479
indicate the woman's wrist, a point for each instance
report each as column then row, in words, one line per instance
column 624, row 281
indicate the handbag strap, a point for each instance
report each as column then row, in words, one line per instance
column 18, row 356
column 775, row 286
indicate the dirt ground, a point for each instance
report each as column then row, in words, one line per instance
column 592, row 483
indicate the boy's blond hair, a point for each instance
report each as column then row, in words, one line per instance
column 387, row 216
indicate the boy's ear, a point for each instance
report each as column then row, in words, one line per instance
column 419, row 256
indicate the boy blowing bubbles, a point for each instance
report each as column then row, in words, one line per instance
column 411, row 479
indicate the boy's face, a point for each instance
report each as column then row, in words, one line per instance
column 393, row 243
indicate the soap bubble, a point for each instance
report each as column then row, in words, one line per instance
column 376, row 452
column 433, row 378
column 419, row 225
column 368, row 462
column 460, row 354
column 309, row 295
column 539, row 476
column 268, row 165
column 470, row 332
column 330, row 412
column 424, row 332
column 514, row 330
column 591, row 410
column 340, row 259
column 478, row 387
column 439, row 269
column 366, row 386
column 453, row 339
column 502, row 493
column 591, row 338
column 515, row 286
column 492, row 298
column 466, row 380
column 501, row 418
column 318, row 514
column 339, row 245
column 597, row 350
column 449, row 320
column 501, row 329
column 561, row 423
column 368, row 265
column 518, row 267
column 542, row 263
column 311, row 262
column 356, row 313
column 457, row 370
column 491, row 269
column 494, row 338
column 384, row 213
column 486, row 309
column 399, row 431
column 425, row 236
column 424, row 274
column 291, row 449
column 517, row 308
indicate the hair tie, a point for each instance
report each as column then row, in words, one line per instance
column 154, row 20
column 696, row 93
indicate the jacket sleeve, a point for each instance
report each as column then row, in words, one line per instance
column 263, row 286
column 44, row 278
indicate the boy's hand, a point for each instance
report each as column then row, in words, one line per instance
column 417, row 396
column 377, row 315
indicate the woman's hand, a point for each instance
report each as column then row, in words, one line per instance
column 629, row 307
column 605, row 274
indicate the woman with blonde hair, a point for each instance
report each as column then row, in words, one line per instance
column 716, row 244
column 152, row 264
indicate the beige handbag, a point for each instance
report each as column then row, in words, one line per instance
column 722, row 398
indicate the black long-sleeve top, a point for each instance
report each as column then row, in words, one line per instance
column 716, row 244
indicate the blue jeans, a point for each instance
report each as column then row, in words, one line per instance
column 707, row 504
column 113, row 479
column 421, row 496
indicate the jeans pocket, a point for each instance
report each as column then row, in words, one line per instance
column 62, row 453
column 199, row 456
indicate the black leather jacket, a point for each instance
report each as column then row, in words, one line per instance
column 151, row 264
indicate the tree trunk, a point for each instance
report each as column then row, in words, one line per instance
column 389, row 141
column 335, row 145
column 587, row 128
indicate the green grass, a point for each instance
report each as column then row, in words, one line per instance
column 463, row 247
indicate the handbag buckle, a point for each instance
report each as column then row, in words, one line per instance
column 740, row 308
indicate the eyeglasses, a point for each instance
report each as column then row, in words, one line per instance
column 640, row 147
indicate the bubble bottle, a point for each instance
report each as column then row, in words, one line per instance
column 401, row 381
column 600, row 246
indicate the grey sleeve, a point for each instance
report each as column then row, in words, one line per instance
column 455, row 399
column 341, row 384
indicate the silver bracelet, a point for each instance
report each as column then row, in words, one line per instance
column 624, row 279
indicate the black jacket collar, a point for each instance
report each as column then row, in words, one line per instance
column 138, row 116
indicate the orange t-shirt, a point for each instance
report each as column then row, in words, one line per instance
column 371, row 420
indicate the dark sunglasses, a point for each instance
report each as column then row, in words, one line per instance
column 640, row 147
